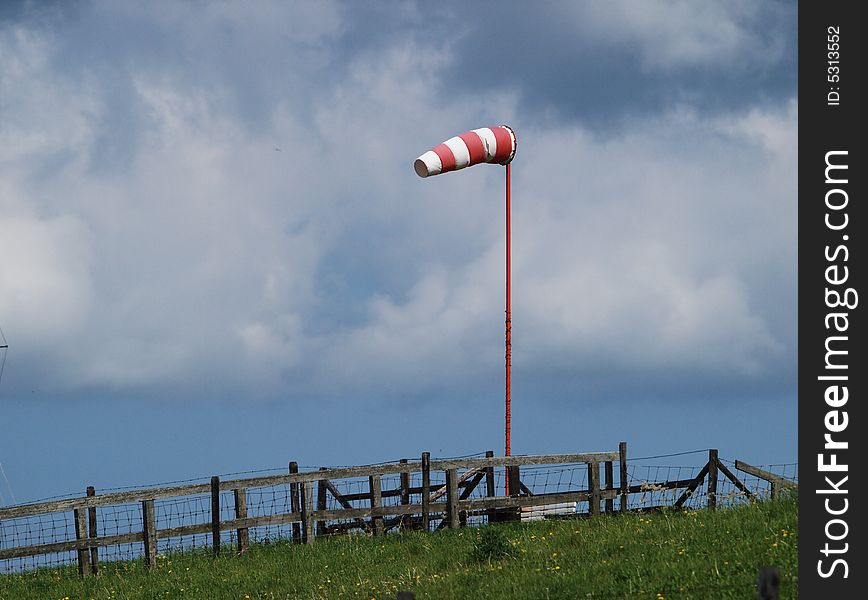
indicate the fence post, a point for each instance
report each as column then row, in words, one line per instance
column 321, row 504
column 92, row 533
column 376, row 502
column 215, row 515
column 426, row 490
column 294, row 503
column 594, row 488
column 609, row 474
column 712, row 479
column 405, row 484
column 489, row 486
column 149, row 529
column 81, row 534
column 452, row 498
column 242, row 533
column 622, row 453
column 306, row 489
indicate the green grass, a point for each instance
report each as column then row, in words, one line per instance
column 703, row 555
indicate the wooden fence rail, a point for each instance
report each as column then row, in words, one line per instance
column 452, row 502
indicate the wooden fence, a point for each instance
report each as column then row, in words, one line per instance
column 451, row 503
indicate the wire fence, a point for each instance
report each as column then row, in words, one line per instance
column 651, row 486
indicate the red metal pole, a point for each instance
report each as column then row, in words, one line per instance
column 508, row 323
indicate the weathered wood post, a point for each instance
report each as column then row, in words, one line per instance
column 242, row 533
column 149, row 529
column 92, row 533
column 489, row 486
column 80, row 516
column 712, row 479
column 513, row 473
column 306, row 490
column 426, row 490
column 625, row 483
column 609, row 483
column 405, row 491
column 321, row 504
column 215, row 515
column 594, row 488
column 405, row 483
column 294, row 503
column 452, row 498
column 374, row 485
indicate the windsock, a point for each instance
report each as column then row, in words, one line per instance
column 487, row 145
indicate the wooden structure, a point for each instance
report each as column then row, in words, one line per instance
column 415, row 508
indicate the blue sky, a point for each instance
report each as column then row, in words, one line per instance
column 215, row 254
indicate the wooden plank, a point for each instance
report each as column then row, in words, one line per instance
column 659, row 486
column 712, row 479
column 321, row 504
column 215, row 516
column 83, row 555
column 452, row 498
column 501, row 461
column 443, row 490
column 149, row 532
column 295, row 503
column 306, row 490
column 622, row 464
column 735, row 481
column 68, row 546
column 522, row 501
column 697, row 481
column 376, row 502
column 762, row 474
column 594, row 488
column 242, row 534
column 92, row 533
column 426, row 491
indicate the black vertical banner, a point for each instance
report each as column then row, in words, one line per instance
column 832, row 266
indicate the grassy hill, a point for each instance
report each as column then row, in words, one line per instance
column 696, row 554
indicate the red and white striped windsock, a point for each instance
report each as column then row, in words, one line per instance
column 487, row 145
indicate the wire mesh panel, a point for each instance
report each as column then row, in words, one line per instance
column 37, row 530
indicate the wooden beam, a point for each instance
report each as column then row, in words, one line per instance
column 762, row 474
column 697, row 481
column 735, row 481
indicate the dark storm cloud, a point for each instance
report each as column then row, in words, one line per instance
column 598, row 63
